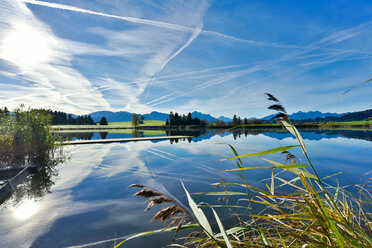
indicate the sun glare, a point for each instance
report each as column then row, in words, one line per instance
column 25, row 45
column 26, row 209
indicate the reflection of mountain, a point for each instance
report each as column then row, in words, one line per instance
column 199, row 134
column 324, row 134
column 203, row 134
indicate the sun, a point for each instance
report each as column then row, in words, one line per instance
column 26, row 209
column 25, row 45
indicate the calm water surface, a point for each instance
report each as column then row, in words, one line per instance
column 90, row 202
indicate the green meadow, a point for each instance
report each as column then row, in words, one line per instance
column 111, row 125
column 145, row 123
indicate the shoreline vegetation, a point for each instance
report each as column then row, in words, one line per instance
column 27, row 146
column 159, row 125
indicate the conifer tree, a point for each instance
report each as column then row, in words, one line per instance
column 103, row 121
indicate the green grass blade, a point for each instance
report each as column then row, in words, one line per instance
column 222, row 229
column 293, row 130
column 264, row 238
column 199, row 215
column 236, row 155
column 157, row 231
column 275, row 150
column 243, row 185
column 272, row 182
column 283, row 166
column 293, row 169
column 227, row 206
column 220, row 193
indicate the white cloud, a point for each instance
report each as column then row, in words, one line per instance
column 42, row 64
column 146, row 56
column 44, row 67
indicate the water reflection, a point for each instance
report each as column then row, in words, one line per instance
column 89, row 200
column 26, row 209
column 103, row 135
column 36, row 185
column 202, row 134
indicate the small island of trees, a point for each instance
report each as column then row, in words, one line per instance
column 178, row 120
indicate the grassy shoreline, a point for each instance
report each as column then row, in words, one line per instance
column 160, row 125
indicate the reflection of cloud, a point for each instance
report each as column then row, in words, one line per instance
column 26, row 209
column 60, row 203
column 124, row 158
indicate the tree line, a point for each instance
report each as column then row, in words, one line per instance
column 236, row 121
column 59, row 118
column 62, row 118
column 178, row 120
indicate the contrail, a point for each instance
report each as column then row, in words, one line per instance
column 158, row 99
column 313, row 46
column 162, row 156
column 129, row 19
column 169, row 99
column 156, row 23
column 229, row 76
column 194, row 35
column 173, row 77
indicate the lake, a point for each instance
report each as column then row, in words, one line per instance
column 89, row 204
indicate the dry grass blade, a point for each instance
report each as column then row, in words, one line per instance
column 165, row 213
column 282, row 116
column 277, row 107
column 136, row 186
column 271, row 97
column 289, row 156
column 157, row 201
column 148, row 193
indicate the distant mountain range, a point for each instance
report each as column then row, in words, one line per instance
column 307, row 115
column 208, row 117
column 356, row 116
column 127, row 116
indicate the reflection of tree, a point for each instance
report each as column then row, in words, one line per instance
column 136, row 133
column 77, row 135
column 103, row 135
column 236, row 133
column 194, row 133
column 201, row 134
column 36, row 185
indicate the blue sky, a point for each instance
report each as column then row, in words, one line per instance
column 216, row 57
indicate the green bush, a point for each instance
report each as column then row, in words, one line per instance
column 26, row 138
